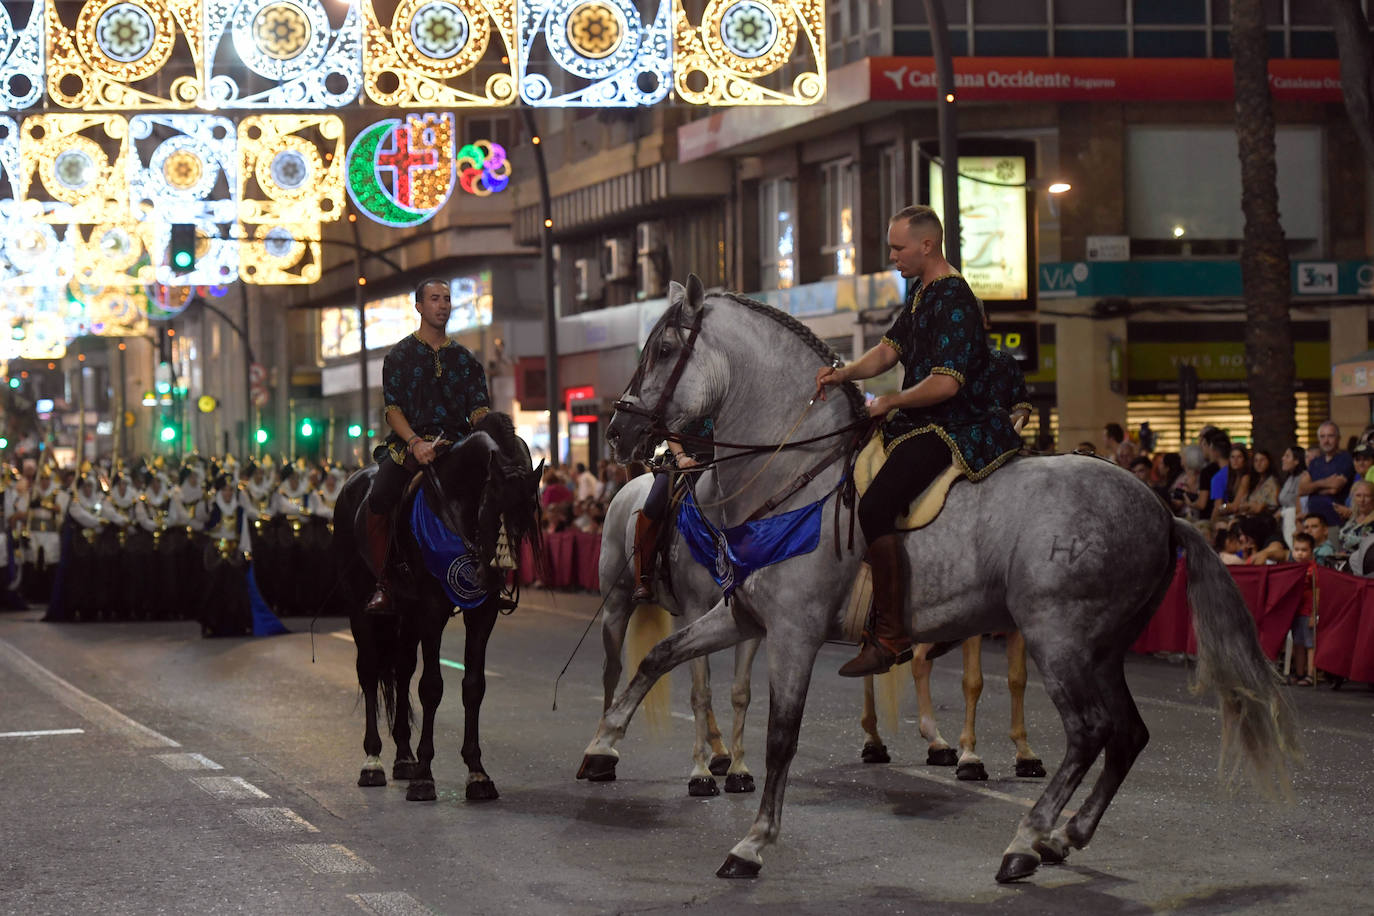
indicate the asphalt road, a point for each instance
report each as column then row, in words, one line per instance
column 147, row 770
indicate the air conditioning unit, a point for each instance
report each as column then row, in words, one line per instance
column 587, row 272
column 619, row 264
column 650, row 276
column 648, row 238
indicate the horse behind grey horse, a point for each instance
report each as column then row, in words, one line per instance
column 1074, row 552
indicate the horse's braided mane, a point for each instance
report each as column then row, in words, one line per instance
column 501, row 428
column 808, row 337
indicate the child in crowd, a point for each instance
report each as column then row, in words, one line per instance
column 1226, row 542
column 1303, row 641
column 1324, row 552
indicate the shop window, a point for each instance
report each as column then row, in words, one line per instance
column 1170, row 12
column 1321, row 45
column 1012, row 42
column 1090, row 12
column 1183, row 188
column 777, row 232
column 1090, row 43
column 916, row 43
column 894, row 193
column 1173, row 43
column 1221, row 43
column 1229, row 411
column 1273, row 11
column 837, row 201
column 914, row 12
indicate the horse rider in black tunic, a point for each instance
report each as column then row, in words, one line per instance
column 435, row 391
column 946, row 412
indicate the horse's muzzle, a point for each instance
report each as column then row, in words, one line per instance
column 626, row 435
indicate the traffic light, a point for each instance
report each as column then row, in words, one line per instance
column 168, row 433
column 181, row 251
column 14, row 381
column 307, row 428
column 355, row 431
column 260, row 437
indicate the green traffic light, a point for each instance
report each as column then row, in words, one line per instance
column 355, row 431
column 261, row 436
column 4, row 443
column 307, row 429
column 168, row 433
column 14, row 381
column 182, row 259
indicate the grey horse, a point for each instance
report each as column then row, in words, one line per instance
column 689, row 592
column 1073, row 551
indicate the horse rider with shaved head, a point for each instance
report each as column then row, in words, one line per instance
column 435, row 392
column 945, row 413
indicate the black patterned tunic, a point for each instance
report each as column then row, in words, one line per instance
column 1006, row 382
column 441, row 393
column 941, row 332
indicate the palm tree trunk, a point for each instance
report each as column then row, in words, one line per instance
column 1351, row 29
column 1264, row 258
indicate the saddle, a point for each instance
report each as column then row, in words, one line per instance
column 924, row 508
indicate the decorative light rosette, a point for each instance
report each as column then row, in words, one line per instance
column 297, row 57
column 483, row 169
column 734, row 55
column 77, row 180
column 604, row 54
column 21, row 56
column 184, row 164
column 429, row 54
column 290, row 180
column 111, row 58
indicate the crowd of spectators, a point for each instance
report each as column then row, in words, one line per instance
column 576, row 499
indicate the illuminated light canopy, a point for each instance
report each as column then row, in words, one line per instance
column 21, row 58
column 401, row 170
column 430, row 53
column 734, row 55
column 78, row 181
column 602, row 53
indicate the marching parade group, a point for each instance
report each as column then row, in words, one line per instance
column 201, row 539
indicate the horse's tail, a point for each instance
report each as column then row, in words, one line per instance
column 1257, row 728
column 650, row 625
column 887, row 695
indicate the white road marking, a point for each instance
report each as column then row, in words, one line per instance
column 391, row 903
column 82, row 703
column 329, row 858
column 188, row 761
column 275, row 820
column 229, row 787
column 977, row 788
column 44, row 733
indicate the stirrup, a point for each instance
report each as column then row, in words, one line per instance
column 643, row 593
column 380, row 602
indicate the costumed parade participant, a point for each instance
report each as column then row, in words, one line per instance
column 152, row 552
column 290, row 507
column 223, row 608
column 79, row 589
column 649, row 524
column 435, row 391
column 944, row 413
column 125, row 593
column 45, row 508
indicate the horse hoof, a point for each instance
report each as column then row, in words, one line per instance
column 421, row 790
column 971, row 772
column 371, row 778
column 720, row 765
column 1030, row 769
column 942, row 757
column 875, row 753
column 735, row 867
column 1015, row 866
column 597, row 768
column 739, row 782
column 405, row 769
column 1051, row 853
column 702, row 787
column 482, row 790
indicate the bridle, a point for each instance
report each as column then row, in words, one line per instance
column 655, row 416
column 657, row 425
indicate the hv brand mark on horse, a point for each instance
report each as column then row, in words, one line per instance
column 447, row 556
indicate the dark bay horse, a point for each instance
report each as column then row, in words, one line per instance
column 479, row 486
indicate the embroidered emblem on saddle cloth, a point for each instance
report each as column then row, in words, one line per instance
column 731, row 555
column 924, row 508
column 447, row 556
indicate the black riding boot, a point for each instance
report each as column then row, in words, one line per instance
column 378, row 546
column 646, row 541
column 889, row 643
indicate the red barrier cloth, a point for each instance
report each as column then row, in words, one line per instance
column 587, row 556
column 527, row 571
column 1345, row 625
column 563, row 571
column 1172, row 625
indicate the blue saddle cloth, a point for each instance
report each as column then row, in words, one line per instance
column 447, row 556
column 731, row 555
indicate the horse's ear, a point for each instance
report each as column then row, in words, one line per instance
column 695, row 295
column 536, row 476
column 676, row 293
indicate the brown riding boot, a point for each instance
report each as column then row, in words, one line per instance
column 646, row 540
column 889, row 642
column 378, row 544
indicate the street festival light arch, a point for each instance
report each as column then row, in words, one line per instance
column 216, row 113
